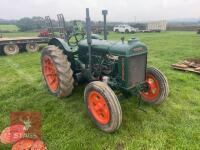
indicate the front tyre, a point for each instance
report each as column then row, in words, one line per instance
column 158, row 88
column 57, row 72
column 103, row 106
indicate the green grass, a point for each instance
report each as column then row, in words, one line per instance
column 65, row 124
column 8, row 27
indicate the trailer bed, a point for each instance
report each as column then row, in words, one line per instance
column 24, row 40
column 12, row 46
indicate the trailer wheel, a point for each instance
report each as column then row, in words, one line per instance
column 103, row 106
column 158, row 88
column 11, row 49
column 32, row 47
column 57, row 71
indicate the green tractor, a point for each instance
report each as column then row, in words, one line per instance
column 107, row 67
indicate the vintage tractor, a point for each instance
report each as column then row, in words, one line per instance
column 107, row 67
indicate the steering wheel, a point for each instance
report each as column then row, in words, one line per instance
column 74, row 39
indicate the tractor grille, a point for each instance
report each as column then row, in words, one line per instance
column 136, row 69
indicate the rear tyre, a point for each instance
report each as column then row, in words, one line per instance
column 32, row 47
column 103, row 106
column 57, row 72
column 158, row 88
column 11, row 49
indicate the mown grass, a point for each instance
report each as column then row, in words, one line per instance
column 65, row 124
column 8, row 27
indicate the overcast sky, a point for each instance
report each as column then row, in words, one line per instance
column 119, row 10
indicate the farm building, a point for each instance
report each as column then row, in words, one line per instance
column 157, row 25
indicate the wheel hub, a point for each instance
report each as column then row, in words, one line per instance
column 153, row 88
column 11, row 49
column 50, row 73
column 32, row 46
column 98, row 107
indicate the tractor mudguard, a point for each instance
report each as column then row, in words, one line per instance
column 61, row 44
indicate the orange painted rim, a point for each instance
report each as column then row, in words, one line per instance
column 50, row 73
column 153, row 90
column 24, row 144
column 12, row 134
column 98, row 107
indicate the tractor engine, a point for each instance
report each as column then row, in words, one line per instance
column 123, row 62
column 103, row 65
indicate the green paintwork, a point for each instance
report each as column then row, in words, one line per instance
column 119, row 77
column 60, row 43
column 126, row 49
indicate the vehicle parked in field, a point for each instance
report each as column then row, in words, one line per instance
column 125, row 29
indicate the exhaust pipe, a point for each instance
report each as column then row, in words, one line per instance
column 89, row 39
column 104, row 13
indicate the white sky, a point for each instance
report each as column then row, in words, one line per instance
column 119, row 10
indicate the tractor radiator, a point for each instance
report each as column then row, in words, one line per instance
column 136, row 69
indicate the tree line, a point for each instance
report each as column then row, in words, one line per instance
column 38, row 23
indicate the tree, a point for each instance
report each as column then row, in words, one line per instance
column 34, row 23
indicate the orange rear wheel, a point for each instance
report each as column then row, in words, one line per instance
column 57, row 71
column 50, row 73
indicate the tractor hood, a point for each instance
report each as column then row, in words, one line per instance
column 126, row 49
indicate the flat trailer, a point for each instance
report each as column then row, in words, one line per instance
column 12, row 46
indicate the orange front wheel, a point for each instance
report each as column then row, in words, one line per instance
column 103, row 106
column 158, row 88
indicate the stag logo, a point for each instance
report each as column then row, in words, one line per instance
column 27, row 123
column 31, row 122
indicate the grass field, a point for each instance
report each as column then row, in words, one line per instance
column 8, row 27
column 65, row 124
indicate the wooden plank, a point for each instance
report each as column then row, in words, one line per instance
column 185, row 69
